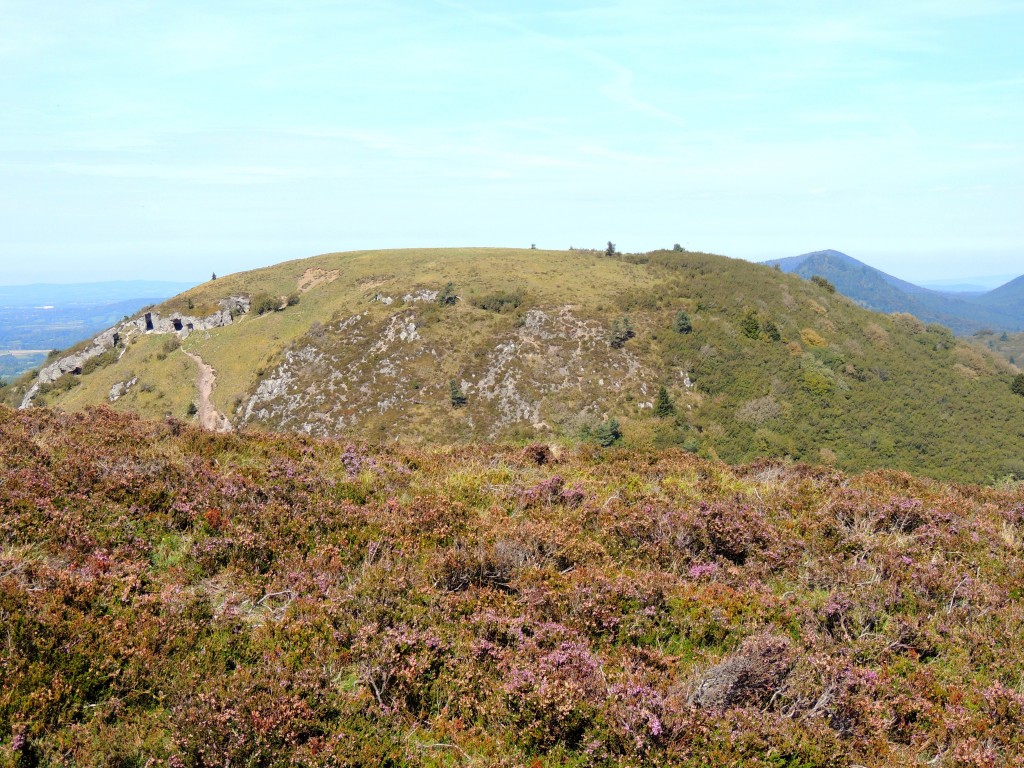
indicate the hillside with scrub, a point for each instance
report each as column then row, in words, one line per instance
column 723, row 358
column 170, row 596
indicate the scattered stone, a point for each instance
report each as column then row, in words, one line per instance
column 120, row 389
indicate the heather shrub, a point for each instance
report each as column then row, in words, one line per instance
column 538, row 453
column 494, row 565
column 248, row 719
column 255, row 599
column 553, row 691
column 398, row 665
column 750, row 677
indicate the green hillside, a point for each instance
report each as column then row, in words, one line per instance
column 1009, row 345
column 174, row 597
column 559, row 345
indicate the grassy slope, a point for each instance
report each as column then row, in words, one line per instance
column 208, row 600
column 1012, row 348
column 844, row 385
column 166, row 381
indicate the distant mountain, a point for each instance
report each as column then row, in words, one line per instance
column 1008, row 298
column 965, row 313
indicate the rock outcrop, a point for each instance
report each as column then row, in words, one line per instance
column 120, row 336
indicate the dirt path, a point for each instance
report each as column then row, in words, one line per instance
column 209, row 417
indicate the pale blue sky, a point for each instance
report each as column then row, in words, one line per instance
column 167, row 140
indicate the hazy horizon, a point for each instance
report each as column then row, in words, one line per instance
column 161, row 141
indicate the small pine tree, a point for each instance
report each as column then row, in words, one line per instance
column 608, row 433
column 750, row 325
column 682, row 323
column 1004, row 337
column 610, row 250
column 771, row 330
column 1018, row 385
column 213, row 276
column 664, row 406
column 458, row 398
column 677, row 248
column 621, row 332
column 447, row 297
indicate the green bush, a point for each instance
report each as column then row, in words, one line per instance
column 447, row 297
column 621, row 332
column 750, row 325
column 458, row 398
column 608, row 433
column 682, row 323
column 499, row 301
column 264, row 303
column 1017, row 387
column 664, row 406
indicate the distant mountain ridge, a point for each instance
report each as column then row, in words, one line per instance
column 965, row 313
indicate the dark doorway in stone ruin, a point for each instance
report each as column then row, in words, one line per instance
column 177, row 323
column 149, row 321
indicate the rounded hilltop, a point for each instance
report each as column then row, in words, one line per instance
column 726, row 358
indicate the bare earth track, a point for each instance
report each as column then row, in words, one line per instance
column 209, row 417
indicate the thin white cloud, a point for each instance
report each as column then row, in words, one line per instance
column 233, row 175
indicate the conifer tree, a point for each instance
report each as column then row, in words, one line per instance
column 682, row 323
column 664, row 406
column 457, row 396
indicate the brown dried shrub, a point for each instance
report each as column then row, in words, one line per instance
column 749, row 677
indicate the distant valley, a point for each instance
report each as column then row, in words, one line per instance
column 35, row 319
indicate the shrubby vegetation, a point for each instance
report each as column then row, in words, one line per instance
column 176, row 597
column 622, row 330
column 447, row 296
column 822, row 282
column 264, row 303
column 499, row 301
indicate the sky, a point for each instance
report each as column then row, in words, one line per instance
column 168, row 140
